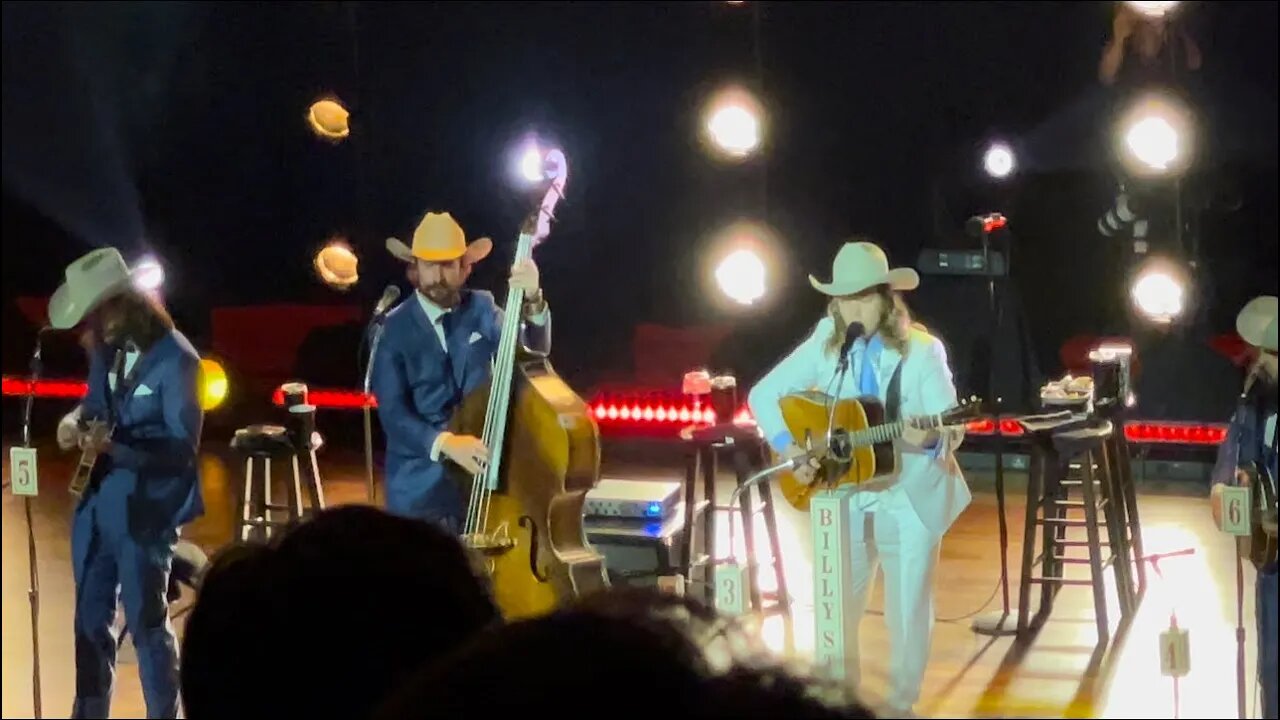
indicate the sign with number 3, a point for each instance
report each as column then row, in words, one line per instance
column 22, row 471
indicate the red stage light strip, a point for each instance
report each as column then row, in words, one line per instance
column 623, row 412
column 330, row 399
column 46, row 389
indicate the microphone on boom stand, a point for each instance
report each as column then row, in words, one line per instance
column 1005, row 621
column 389, row 297
column 25, row 483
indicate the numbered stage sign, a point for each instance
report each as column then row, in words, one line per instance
column 1175, row 653
column 731, row 585
column 835, row 632
column 1235, row 511
column 22, row 471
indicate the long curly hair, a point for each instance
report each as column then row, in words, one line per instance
column 895, row 321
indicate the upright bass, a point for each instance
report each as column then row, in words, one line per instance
column 525, row 509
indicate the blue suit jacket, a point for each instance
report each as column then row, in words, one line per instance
column 1245, row 444
column 150, row 484
column 418, row 387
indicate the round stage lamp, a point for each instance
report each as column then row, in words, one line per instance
column 734, row 123
column 213, row 384
column 337, row 265
column 1152, row 9
column 741, row 276
column 329, row 119
column 999, row 161
column 1159, row 293
column 148, row 275
column 1155, row 137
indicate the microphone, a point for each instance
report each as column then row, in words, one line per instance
column 389, row 296
column 851, row 335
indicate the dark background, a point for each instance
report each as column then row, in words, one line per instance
column 179, row 128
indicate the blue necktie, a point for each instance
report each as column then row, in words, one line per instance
column 868, row 384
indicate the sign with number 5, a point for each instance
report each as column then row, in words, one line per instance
column 22, row 471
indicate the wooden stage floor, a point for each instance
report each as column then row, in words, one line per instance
column 1057, row 674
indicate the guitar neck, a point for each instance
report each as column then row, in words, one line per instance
column 887, row 432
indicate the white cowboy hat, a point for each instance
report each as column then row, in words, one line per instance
column 861, row 265
column 93, row 278
column 1256, row 323
column 439, row 238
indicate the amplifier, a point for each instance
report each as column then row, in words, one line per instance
column 961, row 262
column 640, row 499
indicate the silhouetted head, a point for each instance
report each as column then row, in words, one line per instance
column 325, row 620
column 619, row 653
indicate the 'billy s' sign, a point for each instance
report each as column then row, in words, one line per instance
column 832, row 589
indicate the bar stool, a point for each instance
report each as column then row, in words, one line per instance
column 261, row 444
column 747, row 452
column 1130, row 524
column 1055, row 444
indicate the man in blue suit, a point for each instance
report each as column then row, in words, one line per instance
column 1251, row 442
column 143, row 383
column 437, row 347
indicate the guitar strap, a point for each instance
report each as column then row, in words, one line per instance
column 893, row 398
column 114, row 395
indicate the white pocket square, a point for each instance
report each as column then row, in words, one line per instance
column 474, row 337
column 143, row 390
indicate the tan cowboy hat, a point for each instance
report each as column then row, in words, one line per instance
column 861, row 265
column 95, row 277
column 439, row 238
column 1256, row 323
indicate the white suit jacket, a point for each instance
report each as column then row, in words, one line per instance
column 936, row 493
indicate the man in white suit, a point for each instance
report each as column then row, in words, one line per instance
column 898, row 521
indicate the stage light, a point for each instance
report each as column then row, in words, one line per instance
column 213, row 384
column 329, row 119
column 999, row 161
column 1152, row 9
column 741, row 276
column 734, row 123
column 148, row 275
column 1159, row 292
column 534, row 162
column 337, row 265
column 1156, row 137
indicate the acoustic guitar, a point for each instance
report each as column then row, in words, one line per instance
column 865, row 436
column 1260, row 545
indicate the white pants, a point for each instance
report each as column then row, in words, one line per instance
column 887, row 532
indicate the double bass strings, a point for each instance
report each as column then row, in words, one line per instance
column 484, row 481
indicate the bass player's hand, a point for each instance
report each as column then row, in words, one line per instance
column 467, row 451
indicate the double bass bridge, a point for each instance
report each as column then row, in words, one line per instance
column 490, row 544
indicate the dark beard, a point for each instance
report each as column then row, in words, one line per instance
column 443, row 295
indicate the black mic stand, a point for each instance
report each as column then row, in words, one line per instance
column 376, row 329
column 33, row 589
column 1005, row 621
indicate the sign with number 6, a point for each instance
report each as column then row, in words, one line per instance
column 22, row 471
column 1235, row 511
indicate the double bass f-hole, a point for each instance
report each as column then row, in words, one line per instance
column 527, row 522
